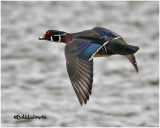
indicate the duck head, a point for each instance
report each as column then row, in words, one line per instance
column 54, row 36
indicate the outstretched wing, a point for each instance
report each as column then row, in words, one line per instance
column 80, row 72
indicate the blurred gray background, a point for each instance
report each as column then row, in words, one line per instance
column 34, row 76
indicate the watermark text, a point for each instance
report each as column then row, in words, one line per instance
column 29, row 117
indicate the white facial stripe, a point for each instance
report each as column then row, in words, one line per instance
column 52, row 38
column 59, row 38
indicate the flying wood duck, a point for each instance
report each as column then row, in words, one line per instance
column 80, row 49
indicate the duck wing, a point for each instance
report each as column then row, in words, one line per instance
column 80, row 69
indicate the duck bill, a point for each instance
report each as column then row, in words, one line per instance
column 42, row 38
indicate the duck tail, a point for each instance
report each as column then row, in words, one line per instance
column 120, row 48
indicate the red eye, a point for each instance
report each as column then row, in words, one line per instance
column 48, row 33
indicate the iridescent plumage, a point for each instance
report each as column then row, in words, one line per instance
column 82, row 47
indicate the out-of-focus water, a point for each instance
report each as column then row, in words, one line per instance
column 34, row 76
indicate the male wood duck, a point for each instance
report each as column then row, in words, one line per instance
column 80, row 49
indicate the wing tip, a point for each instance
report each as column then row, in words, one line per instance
column 84, row 101
column 137, row 69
